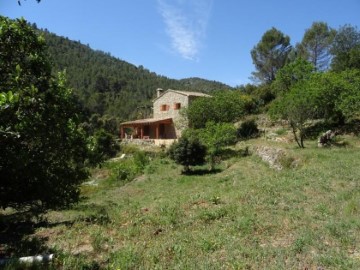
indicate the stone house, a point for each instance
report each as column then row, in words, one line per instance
column 167, row 122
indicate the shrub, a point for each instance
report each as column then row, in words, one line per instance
column 216, row 136
column 129, row 149
column 106, row 144
column 140, row 160
column 281, row 131
column 248, row 129
column 124, row 171
column 188, row 152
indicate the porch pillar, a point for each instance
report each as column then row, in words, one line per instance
column 141, row 132
column 157, row 131
column 121, row 132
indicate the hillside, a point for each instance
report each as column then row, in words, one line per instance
column 107, row 85
column 244, row 215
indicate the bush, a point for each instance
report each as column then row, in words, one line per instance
column 216, row 136
column 102, row 146
column 140, row 160
column 125, row 172
column 129, row 149
column 248, row 129
column 188, row 152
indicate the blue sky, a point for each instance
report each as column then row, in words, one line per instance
column 210, row 39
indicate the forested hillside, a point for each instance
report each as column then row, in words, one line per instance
column 109, row 86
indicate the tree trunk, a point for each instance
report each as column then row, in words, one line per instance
column 295, row 135
column 211, row 162
column 302, row 137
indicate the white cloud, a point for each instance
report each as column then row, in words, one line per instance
column 186, row 22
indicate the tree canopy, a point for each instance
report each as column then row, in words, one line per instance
column 324, row 95
column 346, row 49
column 297, row 107
column 291, row 74
column 224, row 106
column 349, row 100
column 43, row 150
column 316, row 43
column 270, row 54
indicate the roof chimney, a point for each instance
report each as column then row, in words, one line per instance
column 159, row 92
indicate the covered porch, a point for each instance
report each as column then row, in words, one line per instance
column 148, row 129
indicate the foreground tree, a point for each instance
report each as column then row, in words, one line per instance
column 43, row 150
column 316, row 43
column 270, row 54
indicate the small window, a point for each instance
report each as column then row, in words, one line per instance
column 164, row 107
column 177, row 106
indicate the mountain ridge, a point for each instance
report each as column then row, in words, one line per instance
column 107, row 85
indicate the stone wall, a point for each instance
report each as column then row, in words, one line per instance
column 169, row 99
column 166, row 143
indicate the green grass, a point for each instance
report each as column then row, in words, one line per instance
column 245, row 216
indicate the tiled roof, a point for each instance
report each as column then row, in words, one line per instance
column 188, row 93
column 185, row 93
column 146, row 121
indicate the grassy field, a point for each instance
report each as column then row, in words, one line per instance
column 245, row 215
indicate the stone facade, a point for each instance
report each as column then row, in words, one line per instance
column 167, row 122
column 168, row 104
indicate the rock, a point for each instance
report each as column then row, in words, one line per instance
column 271, row 156
column 327, row 138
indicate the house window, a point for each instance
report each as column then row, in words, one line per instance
column 164, row 108
column 177, row 106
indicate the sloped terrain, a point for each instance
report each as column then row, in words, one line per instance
column 244, row 215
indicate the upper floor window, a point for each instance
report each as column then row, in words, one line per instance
column 177, row 106
column 164, row 107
